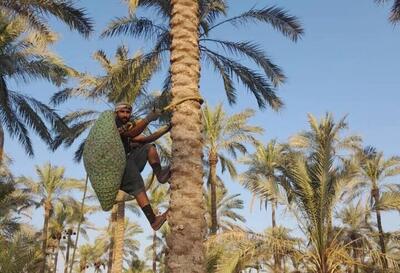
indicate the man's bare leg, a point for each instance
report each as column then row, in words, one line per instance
column 144, row 203
column 163, row 175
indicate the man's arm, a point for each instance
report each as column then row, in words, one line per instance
column 153, row 137
column 141, row 125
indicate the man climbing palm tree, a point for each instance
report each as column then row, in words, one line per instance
column 139, row 151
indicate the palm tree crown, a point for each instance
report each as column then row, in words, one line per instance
column 213, row 14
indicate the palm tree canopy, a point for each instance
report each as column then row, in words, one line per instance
column 35, row 13
column 23, row 59
column 264, row 178
column 52, row 183
column 228, row 133
column 213, row 13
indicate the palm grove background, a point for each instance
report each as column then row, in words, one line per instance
column 323, row 198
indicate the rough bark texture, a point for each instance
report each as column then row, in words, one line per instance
column 1, row 143
column 213, row 160
column 119, row 239
column 186, row 217
column 47, row 213
column 111, row 248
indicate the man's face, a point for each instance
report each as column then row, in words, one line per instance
column 124, row 115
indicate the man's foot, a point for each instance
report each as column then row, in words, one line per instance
column 164, row 175
column 123, row 197
column 160, row 220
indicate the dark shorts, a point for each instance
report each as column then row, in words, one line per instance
column 132, row 181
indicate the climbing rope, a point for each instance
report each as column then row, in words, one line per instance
column 79, row 223
column 173, row 105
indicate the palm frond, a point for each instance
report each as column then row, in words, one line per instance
column 276, row 17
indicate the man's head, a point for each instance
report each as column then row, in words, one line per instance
column 124, row 111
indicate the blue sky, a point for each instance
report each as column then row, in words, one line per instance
column 346, row 63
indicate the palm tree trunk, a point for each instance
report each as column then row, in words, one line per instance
column 154, row 246
column 113, row 221
column 56, row 255
column 375, row 195
column 119, row 239
column 69, row 233
column 213, row 160
column 47, row 213
column 1, row 143
column 186, row 217
column 355, row 257
column 277, row 259
column 273, row 216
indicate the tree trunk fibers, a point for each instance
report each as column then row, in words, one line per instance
column 47, row 213
column 113, row 221
column 213, row 160
column 186, row 217
column 119, row 239
column 375, row 195
column 154, row 246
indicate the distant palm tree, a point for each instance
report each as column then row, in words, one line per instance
column 225, row 134
column 24, row 59
column 50, row 187
column 125, row 245
column 238, row 251
column 64, row 220
column 263, row 178
column 395, row 10
column 13, row 202
column 36, row 12
column 229, row 218
column 374, row 170
column 317, row 177
column 213, row 50
column 357, row 231
column 20, row 254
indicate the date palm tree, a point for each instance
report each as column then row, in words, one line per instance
column 20, row 253
column 13, row 202
column 186, row 214
column 35, row 14
column 24, row 59
column 318, row 175
column 375, row 169
column 225, row 134
column 50, row 187
column 263, row 178
column 63, row 222
column 238, row 251
column 357, row 231
column 213, row 15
